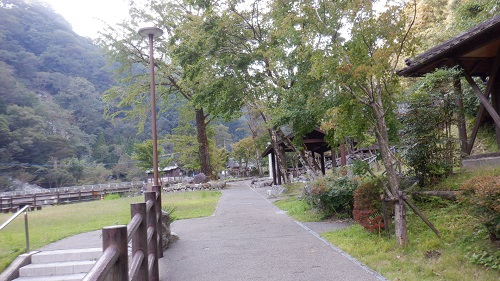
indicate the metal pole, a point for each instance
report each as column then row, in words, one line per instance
column 153, row 110
column 150, row 32
column 26, row 230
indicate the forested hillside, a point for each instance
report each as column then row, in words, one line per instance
column 52, row 129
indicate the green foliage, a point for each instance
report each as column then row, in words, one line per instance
column 360, row 167
column 51, row 113
column 143, row 153
column 218, row 159
column 432, row 148
column 6, row 184
column 113, row 196
column 486, row 258
column 469, row 13
column 483, row 193
column 171, row 211
column 332, row 195
column 427, row 257
column 299, row 209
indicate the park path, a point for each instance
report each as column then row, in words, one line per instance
column 248, row 238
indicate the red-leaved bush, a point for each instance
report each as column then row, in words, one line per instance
column 368, row 207
column 483, row 193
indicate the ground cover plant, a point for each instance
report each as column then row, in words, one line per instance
column 458, row 255
column 465, row 251
column 53, row 223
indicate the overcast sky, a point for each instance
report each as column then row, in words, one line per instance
column 85, row 15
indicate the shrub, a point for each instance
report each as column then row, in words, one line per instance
column 368, row 206
column 331, row 195
column 483, row 193
column 112, row 196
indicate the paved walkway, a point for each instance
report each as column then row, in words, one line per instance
column 247, row 238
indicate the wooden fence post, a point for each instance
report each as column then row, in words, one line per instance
column 117, row 236
column 159, row 223
column 153, row 244
column 140, row 239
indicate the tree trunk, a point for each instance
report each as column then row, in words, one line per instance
column 389, row 160
column 257, row 154
column 462, row 130
column 280, row 155
column 203, row 147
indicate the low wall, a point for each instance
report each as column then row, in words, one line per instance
column 475, row 163
column 187, row 187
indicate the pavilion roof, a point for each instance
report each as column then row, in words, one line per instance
column 314, row 141
column 474, row 49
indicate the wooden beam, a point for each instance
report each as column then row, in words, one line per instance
column 322, row 160
column 417, row 211
column 484, row 98
column 314, row 141
column 475, row 129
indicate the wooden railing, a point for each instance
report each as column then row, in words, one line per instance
column 144, row 231
column 11, row 203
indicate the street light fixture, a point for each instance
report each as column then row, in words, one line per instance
column 151, row 32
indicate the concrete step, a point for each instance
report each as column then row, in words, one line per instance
column 72, row 277
column 91, row 254
column 55, row 268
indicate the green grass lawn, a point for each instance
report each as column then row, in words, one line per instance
column 53, row 223
column 428, row 257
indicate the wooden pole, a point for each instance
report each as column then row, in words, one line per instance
column 140, row 239
column 415, row 209
column 117, row 236
column 157, row 189
column 153, row 244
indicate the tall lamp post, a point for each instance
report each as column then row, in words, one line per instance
column 151, row 32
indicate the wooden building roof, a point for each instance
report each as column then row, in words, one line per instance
column 314, row 141
column 475, row 49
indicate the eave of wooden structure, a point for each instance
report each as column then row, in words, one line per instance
column 477, row 52
column 313, row 141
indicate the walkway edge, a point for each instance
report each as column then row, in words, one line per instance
column 335, row 248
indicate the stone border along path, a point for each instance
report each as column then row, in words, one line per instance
column 248, row 238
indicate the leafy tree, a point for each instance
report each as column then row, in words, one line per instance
column 50, row 84
column 469, row 13
column 143, row 153
column 270, row 50
column 428, row 133
column 126, row 47
column 244, row 151
column 219, row 158
column 366, row 77
column 222, row 137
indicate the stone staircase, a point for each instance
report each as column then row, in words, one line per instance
column 59, row 265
